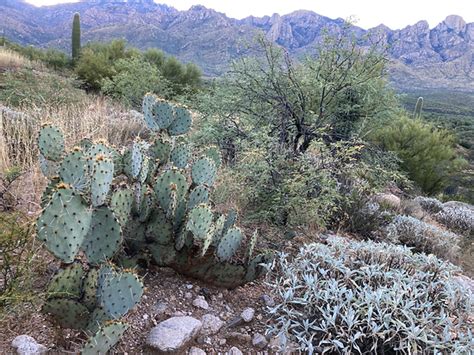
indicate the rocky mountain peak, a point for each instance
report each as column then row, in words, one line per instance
column 455, row 23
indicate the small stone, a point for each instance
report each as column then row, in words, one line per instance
column 160, row 308
column 235, row 351
column 173, row 333
column 222, row 342
column 26, row 345
column 200, row 302
column 145, row 316
column 220, row 295
column 211, row 324
column 196, row 351
column 239, row 336
column 188, row 295
column 268, row 300
column 189, row 287
column 259, row 341
column 247, row 314
column 259, row 317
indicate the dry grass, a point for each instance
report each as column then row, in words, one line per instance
column 94, row 118
column 12, row 60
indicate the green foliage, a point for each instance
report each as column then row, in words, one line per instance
column 76, row 37
column 17, row 267
column 52, row 58
column 27, row 87
column 132, row 79
column 427, row 154
column 291, row 131
column 365, row 297
column 127, row 74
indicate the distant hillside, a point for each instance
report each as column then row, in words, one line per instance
column 441, row 57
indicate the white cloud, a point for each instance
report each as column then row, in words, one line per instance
column 370, row 13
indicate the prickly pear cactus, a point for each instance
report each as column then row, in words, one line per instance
column 148, row 201
column 51, row 143
column 64, row 223
column 105, row 338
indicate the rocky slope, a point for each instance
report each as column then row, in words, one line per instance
column 441, row 57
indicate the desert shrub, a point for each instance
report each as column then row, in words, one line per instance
column 359, row 214
column 366, row 297
column 52, row 58
column 457, row 216
column 115, row 65
column 18, row 251
column 428, row 154
column 423, row 237
column 27, row 87
column 132, row 79
column 429, row 204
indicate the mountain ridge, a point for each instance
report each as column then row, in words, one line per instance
column 438, row 57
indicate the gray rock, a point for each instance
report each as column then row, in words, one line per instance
column 268, row 300
column 239, row 336
column 200, row 302
column 247, row 314
column 259, row 341
column 211, row 324
column 160, row 308
column 188, row 295
column 196, row 351
column 173, row 333
column 234, row 351
column 26, row 345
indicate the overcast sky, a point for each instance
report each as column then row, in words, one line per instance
column 369, row 13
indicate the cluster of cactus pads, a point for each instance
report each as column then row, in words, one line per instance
column 149, row 201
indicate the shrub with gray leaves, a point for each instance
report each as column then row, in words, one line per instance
column 458, row 217
column 429, row 204
column 423, row 237
column 351, row 297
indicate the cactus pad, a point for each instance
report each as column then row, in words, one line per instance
column 67, row 282
column 163, row 113
column 121, row 203
column 213, row 153
column 200, row 194
column 159, row 230
column 68, row 313
column 147, row 106
column 101, row 180
column 119, row 292
column 163, row 255
column 73, row 169
column 48, row 168
column 105, row 338
column 251, row 246
column 182, row 122
column 89, row 287
column 104, row 236
column 229, row 244
column 204, row 172
column 160, row 149
column 199, row 221
column 51, row 143
column 169, row 180
column 180, row 155
column 63, row 224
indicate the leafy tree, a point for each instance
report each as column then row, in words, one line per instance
column 305, row 120
column 132, row 79
column 76, row 37
column 428, row 154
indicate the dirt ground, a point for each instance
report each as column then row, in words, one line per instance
column 166, row 294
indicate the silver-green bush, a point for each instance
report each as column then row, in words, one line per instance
column 457, row 216
column 364, row 297
column 423, row 237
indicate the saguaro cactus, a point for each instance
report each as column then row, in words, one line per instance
column 418, row 108
column 76, row 37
